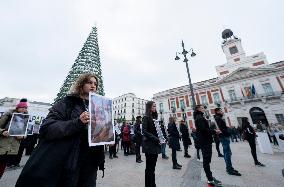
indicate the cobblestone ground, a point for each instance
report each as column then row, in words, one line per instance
column 124, row 171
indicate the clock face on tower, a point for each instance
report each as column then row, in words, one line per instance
column 233, row 50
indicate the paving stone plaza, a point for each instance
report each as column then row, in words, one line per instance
column 124, row 171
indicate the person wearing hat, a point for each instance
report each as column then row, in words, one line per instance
column 9, row 146
column 138, row 138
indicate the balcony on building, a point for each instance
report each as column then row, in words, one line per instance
column 254, row 98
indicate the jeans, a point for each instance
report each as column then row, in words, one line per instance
column 151, row 160
column 163, row 150
column 225, row 141
column 207, row 155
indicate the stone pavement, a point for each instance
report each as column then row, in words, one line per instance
column 124, row 171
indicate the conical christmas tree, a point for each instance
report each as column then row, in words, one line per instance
column 88, row 61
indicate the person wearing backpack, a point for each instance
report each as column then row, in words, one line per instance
column 9, row 145
column 63, row 156
column 126, row 139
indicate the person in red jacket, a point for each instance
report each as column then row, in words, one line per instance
column 126, row 139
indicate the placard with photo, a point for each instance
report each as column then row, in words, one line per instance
column 100, row 130
column 18, row 124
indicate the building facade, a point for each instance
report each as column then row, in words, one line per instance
column 246, row 86
column 127, row 107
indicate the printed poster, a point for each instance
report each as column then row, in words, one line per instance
column 100, row 129
column 18, row 124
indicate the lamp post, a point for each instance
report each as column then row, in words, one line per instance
column 184, row 53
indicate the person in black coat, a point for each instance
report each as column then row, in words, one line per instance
column 138, row 138
column 63, row 156
column 205, row 140
column 185, row 138
column 151, row 145
column 250, row 135
column 174, row 141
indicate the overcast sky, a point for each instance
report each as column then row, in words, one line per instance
column 40, row 40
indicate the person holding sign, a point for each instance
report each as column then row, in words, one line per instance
column 151, row 144
column 9, row 145
column 63, row 156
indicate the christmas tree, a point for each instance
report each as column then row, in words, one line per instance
column 88, row 61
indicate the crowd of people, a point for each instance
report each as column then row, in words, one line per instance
column 63, row 157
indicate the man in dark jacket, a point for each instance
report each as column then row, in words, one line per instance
column 225, row 141
column 174, row 141
column 138, row 138
column 204, row 138
column 63, row 156
column 185, row 138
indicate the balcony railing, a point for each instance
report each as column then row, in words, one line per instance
column 271, row 95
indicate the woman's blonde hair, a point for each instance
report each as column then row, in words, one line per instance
column 77, row 87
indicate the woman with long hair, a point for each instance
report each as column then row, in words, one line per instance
column 250, row 135
column 151, row 144
column 63, row 156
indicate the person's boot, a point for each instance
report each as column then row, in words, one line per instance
column 187, row 155
column 176, row 167
column 110, row 157
column 165, row 157
column 220, row 155
column 259, row 164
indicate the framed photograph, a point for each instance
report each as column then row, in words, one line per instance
column 30, row 128
column 100, row 129
column 18, row 124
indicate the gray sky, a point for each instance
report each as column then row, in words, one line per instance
column 40, row 40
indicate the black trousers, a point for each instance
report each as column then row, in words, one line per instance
column 137, row 151
column 252, row 145
column 207, row 155
column 174, row 157
column 185, row 145
column 151, row 160
column 218, row 147
column 16, row 159
column 126, row 146
column 112, row 150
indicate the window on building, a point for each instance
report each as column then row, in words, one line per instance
column 204, row 100
column 216, row 97
column 232, row 95
column 139, row 112
column 280, row 118
column 124, row 110
column 161, row 107
column 191, row 101
column 133, row 111
column 233, row 50
column 267, row 89
column 182, row 105
column 133, row 99
column 132, row 104
column 173, row 104
column 125, row 104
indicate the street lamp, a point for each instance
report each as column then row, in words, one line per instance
column 184, row 53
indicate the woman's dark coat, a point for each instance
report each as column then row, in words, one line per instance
column 150, row 142
column 62, row 150
column 185, row 135
column 173, row 136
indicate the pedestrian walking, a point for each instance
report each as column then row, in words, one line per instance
column 250, row 135
column 138, row 138
column 164, row 145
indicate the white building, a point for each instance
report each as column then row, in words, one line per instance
column 246, row 86
column 37, row 110
column 128, row 106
